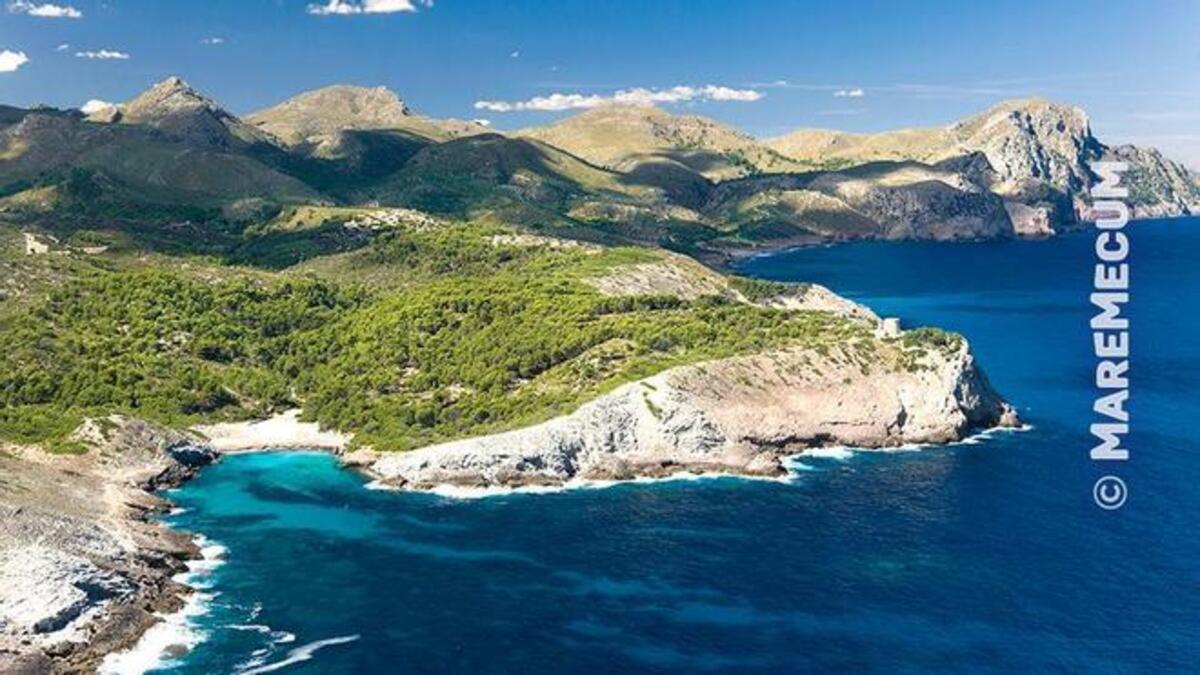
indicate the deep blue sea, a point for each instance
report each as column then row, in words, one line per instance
column 978, row 557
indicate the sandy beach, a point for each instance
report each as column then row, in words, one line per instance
column 284, row 431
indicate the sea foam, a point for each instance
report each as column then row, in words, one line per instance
column 177, row 633
column 792, row 463
column 299, row 654
column 463, row 492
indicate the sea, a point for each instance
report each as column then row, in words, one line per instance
column 990, row 555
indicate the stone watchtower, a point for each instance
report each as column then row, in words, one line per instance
column 888, row 328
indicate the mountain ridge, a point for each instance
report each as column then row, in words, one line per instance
column 174, row 107
column 1028, row 143
column 317, row 121
column 621, row 137
column 624, row 173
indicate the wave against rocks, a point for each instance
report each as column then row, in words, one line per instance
column 741, row 415
column 84, row 571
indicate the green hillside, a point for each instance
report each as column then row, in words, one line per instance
column 463, row 328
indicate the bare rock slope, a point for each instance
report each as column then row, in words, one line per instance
column 739, row 415
column 82, row 571
column 318, row 122
column 1037, row 159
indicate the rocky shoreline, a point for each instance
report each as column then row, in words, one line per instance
column 740, row 416
column 1036, row 227
column 84, row 569
column 103, row 569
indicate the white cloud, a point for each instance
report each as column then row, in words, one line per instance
column 727, row 94
column 44, row 10
column 63, row 47
column 103, row 54
column 10, row 61
column 95, row 105
column 348, row 7
column 213, row 41
column 516, row 53
column 637, row 96
column 849, row 93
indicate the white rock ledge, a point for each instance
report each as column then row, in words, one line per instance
column 739, row 415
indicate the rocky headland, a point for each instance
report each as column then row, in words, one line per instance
column 84, row 570
column 738, row 416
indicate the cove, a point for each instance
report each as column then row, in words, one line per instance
column 982, row 556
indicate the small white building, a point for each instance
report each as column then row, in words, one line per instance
column 36, row 244
column 888, row 328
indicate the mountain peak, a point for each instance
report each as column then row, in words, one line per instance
column 375, row 102
column 176, row 108
column 173, row 82
column 1066, row 118
column 624, row 136
column 332, row 109
column 625, row 110
column 169, row 96
column 319, row 121
column 1030, row 140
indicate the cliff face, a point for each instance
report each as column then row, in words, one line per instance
column 1035, row 157
column 1158, row 187
column 1040, row 154
column 1030, row 143
column 888, row 200
column 739, row 415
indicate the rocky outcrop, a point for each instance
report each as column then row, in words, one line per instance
column 885, row 200
column 1158, row 187
column 178, row 110
column 57, row 590
column 1039, row 150
column 1031, row 221
column 738, row 415
column 1036, row 155
column 83, row 572
column 319, row 122
column 817, row 298
column 1031, row 141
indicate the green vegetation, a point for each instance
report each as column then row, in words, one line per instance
column 763, row 289
column 466, row 335
column 929, row 337
column 919, row 342
column 153, row 343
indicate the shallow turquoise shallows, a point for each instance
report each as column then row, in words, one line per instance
column 978, row 557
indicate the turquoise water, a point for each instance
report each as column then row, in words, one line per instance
column 978, row 557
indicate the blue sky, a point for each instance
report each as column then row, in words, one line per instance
column 1135, row 67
